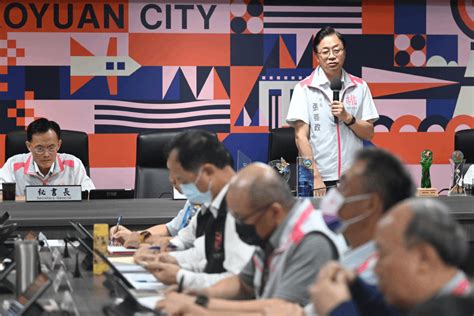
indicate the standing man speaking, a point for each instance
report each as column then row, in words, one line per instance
column 330, row 126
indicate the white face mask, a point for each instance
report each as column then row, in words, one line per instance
column 192, row 193
column 333, row 202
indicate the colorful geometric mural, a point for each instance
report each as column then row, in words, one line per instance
column 116, row 68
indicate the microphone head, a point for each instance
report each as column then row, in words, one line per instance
column 336, row 84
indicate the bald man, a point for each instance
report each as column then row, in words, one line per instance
column 420, row 249
column 294, row 242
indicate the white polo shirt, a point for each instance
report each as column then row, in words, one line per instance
column 334, row 145
column 66, row 170
column 193, row 260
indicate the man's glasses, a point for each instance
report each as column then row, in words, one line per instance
column 41, row 150
column 241, row 220
column 336, row 51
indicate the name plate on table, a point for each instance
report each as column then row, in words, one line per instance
column 48, row 193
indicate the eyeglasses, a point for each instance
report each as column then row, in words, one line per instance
column 336, row 51
column 241, row 220
column 41, row 150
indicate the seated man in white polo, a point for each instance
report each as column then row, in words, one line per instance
column 43, row 165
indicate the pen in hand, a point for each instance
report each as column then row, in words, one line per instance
column 180, row 285
column 119, row 220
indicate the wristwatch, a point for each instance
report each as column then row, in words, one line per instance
column 202, row 300
column 144, row 235
column 353, row 120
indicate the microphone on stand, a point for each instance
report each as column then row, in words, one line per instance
column 336, row 86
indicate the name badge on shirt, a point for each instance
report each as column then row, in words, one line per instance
column 48, row 193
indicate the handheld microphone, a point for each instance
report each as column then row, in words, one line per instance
column 336, row 86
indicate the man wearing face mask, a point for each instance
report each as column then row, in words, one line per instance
column 294, row 242
column 202, row 168
column 374, row 183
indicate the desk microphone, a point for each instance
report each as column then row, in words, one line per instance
column 336, row 86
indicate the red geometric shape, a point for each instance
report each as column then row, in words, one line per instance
column 151, row 49
column 29, row 112
column 29, row 95
column 11, row 43
column 112, row 48
column 104, row 152
column 112, row 84
column 20, row 52
column 3, row 52
column 219, row 91
column 20, row 121
column 378, row 17
column 286, row 61
column 78, row 50
column 242, row 81
column 383, row 89
column 409, row 50
column 11, row 113
column 78, row 82
column 20, row 104
column 3, row 86
column 11, row 61
column 3, row 70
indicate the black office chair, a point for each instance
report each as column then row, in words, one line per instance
column 464, row 141
column 281, row 144
column 73, row 142
column 151, row 173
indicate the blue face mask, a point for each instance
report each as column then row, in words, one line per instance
column 192, row 193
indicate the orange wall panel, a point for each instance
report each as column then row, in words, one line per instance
column 112, row 150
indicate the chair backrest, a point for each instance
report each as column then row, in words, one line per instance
column 73, row 142
column 281, row 144
column 151, row 173
column 464, row 141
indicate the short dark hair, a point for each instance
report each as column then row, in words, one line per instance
column 433, row 224
column 326, row 31
column 385, row 175
column 197, row 147
column 41, row 126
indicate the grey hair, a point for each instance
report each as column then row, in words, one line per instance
column 268, row 189
column 433, row 224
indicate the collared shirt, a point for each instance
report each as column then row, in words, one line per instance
column 361, row 259
column 38, row 171
column 66, row 170
column 193, row 260
column 182, row 219
column 301, row 247
column 458, row 285
column 333, row 145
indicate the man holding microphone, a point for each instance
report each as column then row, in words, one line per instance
column 329, row 125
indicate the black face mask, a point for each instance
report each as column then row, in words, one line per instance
column 249, row 236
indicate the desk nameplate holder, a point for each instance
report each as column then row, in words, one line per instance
column 51, row 193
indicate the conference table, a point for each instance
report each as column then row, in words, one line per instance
column 53, row 218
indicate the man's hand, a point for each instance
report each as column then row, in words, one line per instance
column 319, row 186
column 165, row 272
column 331, row 288
column 338, row 110
column 144, row 254
column 118, row 234
column 180, row 304
column 132, row 240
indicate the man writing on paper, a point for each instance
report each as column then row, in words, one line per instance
column 43, row 165
column 202, row 167
column 328, row 130
column 294, row 242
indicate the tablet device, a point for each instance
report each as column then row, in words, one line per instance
column 113, row 268
column 6, row 231
column 25, row 302
column 5, row 217
column 104, row 194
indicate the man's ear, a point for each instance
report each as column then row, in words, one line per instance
column 60, row 142
column 428, row 257
column 208, row 169
column 28, row 145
